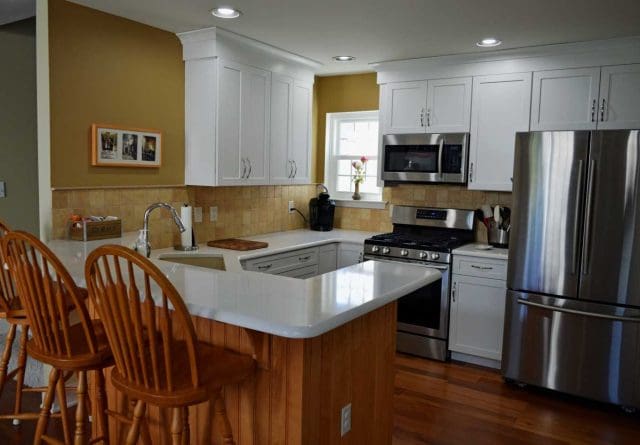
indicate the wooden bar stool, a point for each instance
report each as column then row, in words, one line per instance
column 12, row 311
column 140, row 308
column 52, row 300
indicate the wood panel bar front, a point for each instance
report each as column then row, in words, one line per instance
column 301, row 385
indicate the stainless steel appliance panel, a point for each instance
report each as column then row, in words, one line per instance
column 611, row 254
column 433, row 217
column 547, row 220
column 581, row 348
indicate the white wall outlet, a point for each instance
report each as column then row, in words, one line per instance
column 197, row 214
column 213, row 214
column 3, row 193
column 292, row 205
column 345, row 420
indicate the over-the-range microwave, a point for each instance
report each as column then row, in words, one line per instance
column 425, row 157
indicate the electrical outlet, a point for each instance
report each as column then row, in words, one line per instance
column 292, row 205
column 197, row 214
column 3, row 190
column 213, row 214
column 345, row 420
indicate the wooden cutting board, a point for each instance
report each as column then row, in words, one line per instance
column 237, row 244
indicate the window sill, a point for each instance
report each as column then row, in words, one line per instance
column 362, row 204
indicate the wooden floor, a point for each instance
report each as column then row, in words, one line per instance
column 453, row 403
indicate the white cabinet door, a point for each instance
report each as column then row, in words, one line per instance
column 348, row 255
column 477, row 316
column 501, row 105
column 619, row 106
column 256, row 95
column 405, row 107
column 327, row 258
column 243, row 124
column 280, row 165
column 448, row 105
column 300, row 152
column 565, row 99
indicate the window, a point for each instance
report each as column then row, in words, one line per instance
column 349, row 137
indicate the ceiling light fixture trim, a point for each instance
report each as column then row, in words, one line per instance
column 489, row 42
column 226, row 12
column 344, row 58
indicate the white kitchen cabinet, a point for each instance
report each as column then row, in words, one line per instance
column 328, row 258
column 243, row 124
column 434, row 106
column 280, row 166
column 478, row 297
column 406, row 107
column 565, row 99
column 300, row 152
column 501, row 105
column 349, row 254
column 448, row 105
column 619, row 105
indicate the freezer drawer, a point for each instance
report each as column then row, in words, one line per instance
column 586, row 349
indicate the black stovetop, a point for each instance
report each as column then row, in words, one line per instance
column 424, row 239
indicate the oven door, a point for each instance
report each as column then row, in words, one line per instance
column 426, row 310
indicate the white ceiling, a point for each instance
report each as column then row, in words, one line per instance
column 14, row 10
column 381, row 30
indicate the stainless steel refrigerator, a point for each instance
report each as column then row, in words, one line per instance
column 573, row 301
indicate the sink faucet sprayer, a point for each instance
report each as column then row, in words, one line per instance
column 143, row 245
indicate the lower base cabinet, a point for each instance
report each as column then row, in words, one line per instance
column 477, row 310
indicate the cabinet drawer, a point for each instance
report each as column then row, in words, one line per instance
column 276, row 264
column 302, row 272
column 480, row 267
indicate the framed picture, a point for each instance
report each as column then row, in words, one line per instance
column 113, row 146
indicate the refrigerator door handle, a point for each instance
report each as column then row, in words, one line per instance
column 586, row 254
column 576, row 220
column 579, row 312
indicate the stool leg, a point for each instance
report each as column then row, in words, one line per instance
column 22, row 368
column 138, row 418
column 61, row 391
column 186, row 434
column 81, row 407
column 176, row 426
column 6, row 355
column 102, row 406
column 220, row 414
column 45, row 412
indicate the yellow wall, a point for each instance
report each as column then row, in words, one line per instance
column 356, row 92
column 106, row 69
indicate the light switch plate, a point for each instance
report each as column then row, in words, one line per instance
column 213, row 214
column 197, row 214
column 3, row 190
column 345, row 420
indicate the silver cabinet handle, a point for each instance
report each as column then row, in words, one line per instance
column 422, row 117
column 290, row 162
column 304, row 258
column 578, row 312
column 602, row 110
column 593, row 111
column 428, row 117
column 453, row 291
column 295, row 165
column 482, row 267
column 250, row 168
column 471, row 172
column 265, row 267
column 244, row 168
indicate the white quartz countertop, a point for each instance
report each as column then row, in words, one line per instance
column 278, row 305
column 481, row 251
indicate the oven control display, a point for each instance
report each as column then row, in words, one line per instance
column 431, row 214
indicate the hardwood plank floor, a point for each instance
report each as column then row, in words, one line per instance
column 452, row 403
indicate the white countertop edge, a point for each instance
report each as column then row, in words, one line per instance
column 495, row 253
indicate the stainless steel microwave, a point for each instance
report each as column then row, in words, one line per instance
column 425, row 157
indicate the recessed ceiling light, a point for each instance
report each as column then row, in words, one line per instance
column 344, row 58
column 489, row 42
column 226, row 12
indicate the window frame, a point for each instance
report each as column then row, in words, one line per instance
column 330, row 160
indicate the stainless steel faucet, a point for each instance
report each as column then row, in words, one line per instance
column 145, row 226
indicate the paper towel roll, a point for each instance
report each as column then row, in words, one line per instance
column 186, row 214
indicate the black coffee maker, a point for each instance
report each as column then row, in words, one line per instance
column 321, row 211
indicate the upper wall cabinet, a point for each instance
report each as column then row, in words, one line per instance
column 247, row 111
column 565, row 99
column 434, row 106
column 619, row 106
column 500, row 109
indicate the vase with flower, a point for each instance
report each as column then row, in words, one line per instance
column 359, row 176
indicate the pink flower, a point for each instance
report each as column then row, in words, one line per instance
column 363, row 159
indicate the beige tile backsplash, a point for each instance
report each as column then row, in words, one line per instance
column 246, row 211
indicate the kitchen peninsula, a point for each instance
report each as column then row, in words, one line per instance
column 322, row 344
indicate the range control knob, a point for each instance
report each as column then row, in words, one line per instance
column 386, row 250
column 375, row 249
column 422, row 255
column 435, row 256
column 404, row 252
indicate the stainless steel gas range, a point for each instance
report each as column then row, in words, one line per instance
column 424, row 236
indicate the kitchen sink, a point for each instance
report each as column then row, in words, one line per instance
column 203, row 260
